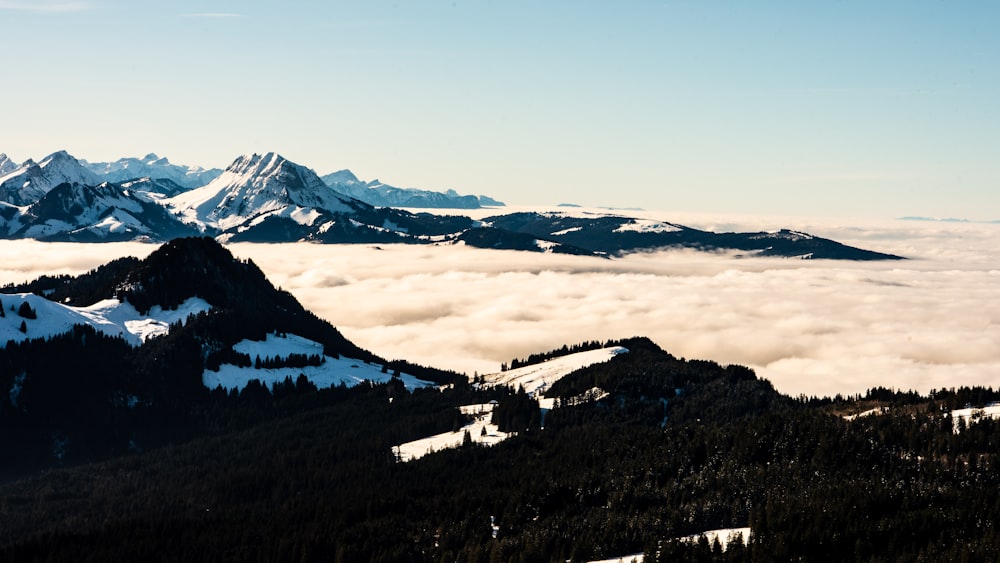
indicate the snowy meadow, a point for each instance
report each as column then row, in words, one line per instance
column 812, row 327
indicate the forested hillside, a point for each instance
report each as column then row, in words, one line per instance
column 677, row 447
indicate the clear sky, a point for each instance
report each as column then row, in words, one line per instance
column 883, row 108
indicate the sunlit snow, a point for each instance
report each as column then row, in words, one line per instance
column 537, row 378
column 724, row 536
column 634, row 558
column 971, row 415
column 333, row 371
column 480, row 431
column 110, row 316
column 647, row 226
column 534, row 379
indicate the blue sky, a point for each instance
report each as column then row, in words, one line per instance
column 817, row 108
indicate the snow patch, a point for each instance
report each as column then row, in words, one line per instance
column 566, row 231
column 480, row 431
column 634, row 558
column 724, row 536
column 110, row 317
column 972, row 415
column 332, row 372
column 537, row 378
column 546, row 245
column 647, row 226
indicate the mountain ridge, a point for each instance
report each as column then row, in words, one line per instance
column 267, row 198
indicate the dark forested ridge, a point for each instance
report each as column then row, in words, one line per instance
column 115, row 452
column 677, row 447
column 84, row 396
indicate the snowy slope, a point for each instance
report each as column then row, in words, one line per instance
column 254, row 186
column 646, row 226
column 972, row 415
column 84, row 213
column 417, row 449
column 155, row 167
column 29, row 182
column 333, row 371
column 724, row 536
column 110, row 317
column 537, row 378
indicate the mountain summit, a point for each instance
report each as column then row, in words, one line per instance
column 29, row 182
column 256, row 186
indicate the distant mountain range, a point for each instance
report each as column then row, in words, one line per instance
column 384, row 195
column 267, row 198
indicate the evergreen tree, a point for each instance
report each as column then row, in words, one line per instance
column 26, row 311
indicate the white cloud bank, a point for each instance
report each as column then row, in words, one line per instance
column 813, row 327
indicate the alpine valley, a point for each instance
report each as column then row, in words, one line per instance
column 266, row 198
column 181, row 408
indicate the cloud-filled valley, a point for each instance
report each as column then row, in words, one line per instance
column 813, row 327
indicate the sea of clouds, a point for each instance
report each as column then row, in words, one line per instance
column 811, row 327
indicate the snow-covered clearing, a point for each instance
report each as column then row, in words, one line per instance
column 480, row 431
column 647, row 226
column 110, row 316
column 537, row 378
column 725, row 536
column 634, row 558
column 869, row 412
column 333, row 371
column 972, row 415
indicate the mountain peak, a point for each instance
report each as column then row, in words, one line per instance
column 341, row 177
column 28, row 183
column 58, row 156
column 6, row 164
column 255, row 186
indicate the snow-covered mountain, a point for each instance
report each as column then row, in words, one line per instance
column 255, row 187
column 383, row 195
column 102, row 213
column 154, row 167
column 29, row 182
column 267, row 198
column 7, row 165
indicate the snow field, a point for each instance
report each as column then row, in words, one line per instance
column 333, row 371
column 725, row 536
column 110, row 316
column 416, row 449
column 973, row 415
column 535, row 379
column 647, row 226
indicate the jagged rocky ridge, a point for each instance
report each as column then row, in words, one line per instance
column 267, row 198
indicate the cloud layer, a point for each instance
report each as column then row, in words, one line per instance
column 817, row 328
